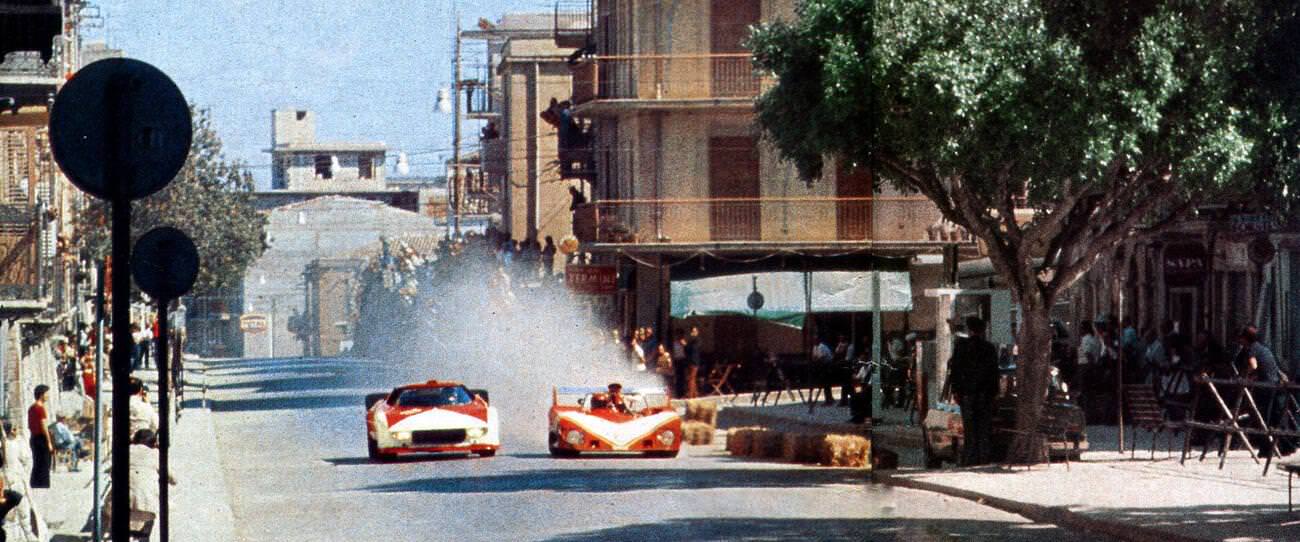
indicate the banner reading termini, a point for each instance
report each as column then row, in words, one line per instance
column 591, row 279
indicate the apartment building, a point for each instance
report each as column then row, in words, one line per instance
column 523, row 71
column 695, row 213
column 42, row 278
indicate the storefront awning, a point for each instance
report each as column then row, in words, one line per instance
column 789, row 295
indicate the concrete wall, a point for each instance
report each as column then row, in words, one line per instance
column 532, row 73
column 298, row 234
column 298, row 171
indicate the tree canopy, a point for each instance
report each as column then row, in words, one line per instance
column 1105, row 115
column 210, row 200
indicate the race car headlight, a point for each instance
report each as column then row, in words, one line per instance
column 475, row 432
column 573, row 437
column 401, row 435
column 666, row 438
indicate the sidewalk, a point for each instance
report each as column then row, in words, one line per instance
column 1105, row 493
column 200, row 501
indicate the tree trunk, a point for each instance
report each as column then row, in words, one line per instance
column 1033, row 373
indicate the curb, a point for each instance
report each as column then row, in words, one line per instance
column 1056, row 515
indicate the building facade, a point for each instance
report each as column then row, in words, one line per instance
column 299, row 163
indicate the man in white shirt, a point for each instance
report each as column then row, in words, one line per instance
column 823, row 366
column 142, row 414
column 1090, row 349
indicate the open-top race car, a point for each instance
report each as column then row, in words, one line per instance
column 588, row 419
column 432, row 417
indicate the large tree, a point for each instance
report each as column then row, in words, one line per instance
column 210, row 200
column 1105, row 117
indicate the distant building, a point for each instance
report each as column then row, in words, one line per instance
column 300, row 163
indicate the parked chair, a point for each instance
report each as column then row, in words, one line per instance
column 1053, row 426
column 1145, row 412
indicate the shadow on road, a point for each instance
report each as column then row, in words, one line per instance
column 417, row 458
column 624, row 479
column 755, row 529
column 1213, row 522
column 301, row 402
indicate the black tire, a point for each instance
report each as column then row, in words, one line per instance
column 562, row 453
column 663, row 453
column 487, row 453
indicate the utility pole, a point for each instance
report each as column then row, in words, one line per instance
column 455, row 135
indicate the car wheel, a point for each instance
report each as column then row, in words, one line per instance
column 372, row 450
column 663, row 453
column 487, row 453
column 563, row 452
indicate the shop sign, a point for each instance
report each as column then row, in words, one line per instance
column 591, row 279
column 1185, row 263
column 253, row 323
column 1251, row 223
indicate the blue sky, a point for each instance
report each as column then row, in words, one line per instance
column 370, row 69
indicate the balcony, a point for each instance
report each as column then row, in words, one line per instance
column 899, row 220
column 481, row 100
column 20, row 255
column 611, row 83
column 573, row 23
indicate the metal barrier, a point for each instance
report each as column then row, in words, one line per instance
column 1245, row 417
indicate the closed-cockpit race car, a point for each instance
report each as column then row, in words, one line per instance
column 586, row 420
column 432, row 417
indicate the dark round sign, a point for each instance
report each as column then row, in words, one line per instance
column 165, row 263
column 120, row 129
column 755, row 301
column 1260, row 250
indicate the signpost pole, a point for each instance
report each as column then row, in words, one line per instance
column 164, row 415
column 99, row 402
column 120, row 365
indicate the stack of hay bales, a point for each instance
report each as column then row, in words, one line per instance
column 701, row 420
column 819, row 448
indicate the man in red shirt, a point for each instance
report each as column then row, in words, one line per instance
column 38, row 421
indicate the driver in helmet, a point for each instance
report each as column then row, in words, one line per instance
column 616, row 400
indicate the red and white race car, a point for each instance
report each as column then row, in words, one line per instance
column 432, row 417
column 584, row 420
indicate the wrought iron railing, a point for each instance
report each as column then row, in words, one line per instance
column 812, row 219
column 573, row 22
column 668, row 77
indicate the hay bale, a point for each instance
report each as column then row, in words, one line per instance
column 699, row 410
column 740, row 440
column 768, row 444
column 845, row 451
column 697, row 433
column 800, row 448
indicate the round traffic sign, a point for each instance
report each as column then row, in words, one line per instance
column 165, row 263
column 120, row 129
column 755, row 300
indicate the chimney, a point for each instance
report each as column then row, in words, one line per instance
column 292, row 127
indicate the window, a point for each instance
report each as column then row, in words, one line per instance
column 365, row 167
column 323, row 169
column 434, row 397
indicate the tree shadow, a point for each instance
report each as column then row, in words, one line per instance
column 613, row 480
column 1212, row 522
column 766, row 529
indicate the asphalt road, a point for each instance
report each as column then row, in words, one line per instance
column 291, row 439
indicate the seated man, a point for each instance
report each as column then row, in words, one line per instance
column 616, row 401
column 65, row 440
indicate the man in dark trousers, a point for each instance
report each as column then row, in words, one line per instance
column 973, row 379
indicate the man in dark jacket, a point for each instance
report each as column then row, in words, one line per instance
column 973, row 379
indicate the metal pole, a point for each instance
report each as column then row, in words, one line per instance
column 876, row 331
column 164, row 416
column 99, row 399
column 455, row 135
column 120, row 364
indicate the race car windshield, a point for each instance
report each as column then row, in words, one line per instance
column 434, row 397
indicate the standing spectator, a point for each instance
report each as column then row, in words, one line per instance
column 679, row 365
column 843, row 357
column 649, row 343
column 1262, row 366
column 17, row 464
column 576, row 199
column 1088, row 358
column 973, row 379
column 548, row 257
column 136, row 349
column 146, row 344
column 638, row 350
column 823, row 362
column 693, row 362
column 38, row 420
column 664, row 364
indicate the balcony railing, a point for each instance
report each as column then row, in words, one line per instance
column 824, row 219
column 668, row 77
column 573, row 23
column 21, row 265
